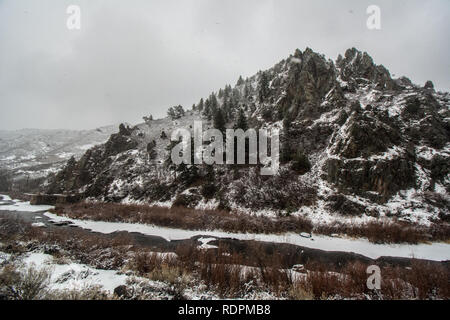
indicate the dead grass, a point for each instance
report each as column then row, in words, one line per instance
column 30, row 284
column 388, row 232
column 186, row 218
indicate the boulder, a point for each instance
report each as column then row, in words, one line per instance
column 121, row 292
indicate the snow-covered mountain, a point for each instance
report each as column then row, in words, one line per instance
column 357, row 145
column 34, row 153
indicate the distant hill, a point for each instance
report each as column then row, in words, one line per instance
column 34, row 153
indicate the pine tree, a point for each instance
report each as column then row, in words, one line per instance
column 230, row 114
column 219, row 121
column 241, row 122
column 5, row 181
column 207, row 110
column 240, row 81
column 148, row 119
column 263, row 86
column 227, row 92
column 200, row 105
column 213, row 103
column 226, row 110
column 235, row 97
column 68, row 172
column 171, row 113
column 175, row 112
column 71, row 163
column 179, row 111
column 124, row 131
column 247, row 90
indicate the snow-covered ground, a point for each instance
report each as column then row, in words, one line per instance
column 434, row 251
column 205, row 244
column 70, row 276
column 74, row 275
column 4, row 197
column 21, row 205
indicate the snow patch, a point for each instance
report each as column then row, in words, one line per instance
column 205, row 244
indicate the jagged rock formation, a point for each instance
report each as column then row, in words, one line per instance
column 355, row 143
column 358, row 68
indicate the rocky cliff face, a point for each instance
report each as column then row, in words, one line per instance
column 355, row 143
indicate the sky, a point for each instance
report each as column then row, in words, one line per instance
column 132, row 58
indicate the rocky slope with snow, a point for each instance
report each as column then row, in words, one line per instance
column 356, row 145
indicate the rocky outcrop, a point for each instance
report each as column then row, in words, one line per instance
column 309, row 80
column 365, row 134
column 119, row 143
column 92, row 171
column 53, row 199
column 358, row 68
column 385, row 177
column 429, row 85
column 340, row 203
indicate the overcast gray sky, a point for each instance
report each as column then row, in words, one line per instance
column 132, row 58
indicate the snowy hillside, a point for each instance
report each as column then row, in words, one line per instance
column 356, row 145
column 34, row 153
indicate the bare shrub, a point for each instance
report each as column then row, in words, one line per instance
column 30, row 284
column 11, row 227
column 182, row 217
column 323, row 284
column 429, row 280
column 86, row 293
column 280, row 192
column 298, row 292
column 387, row 232
column 165, row 273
